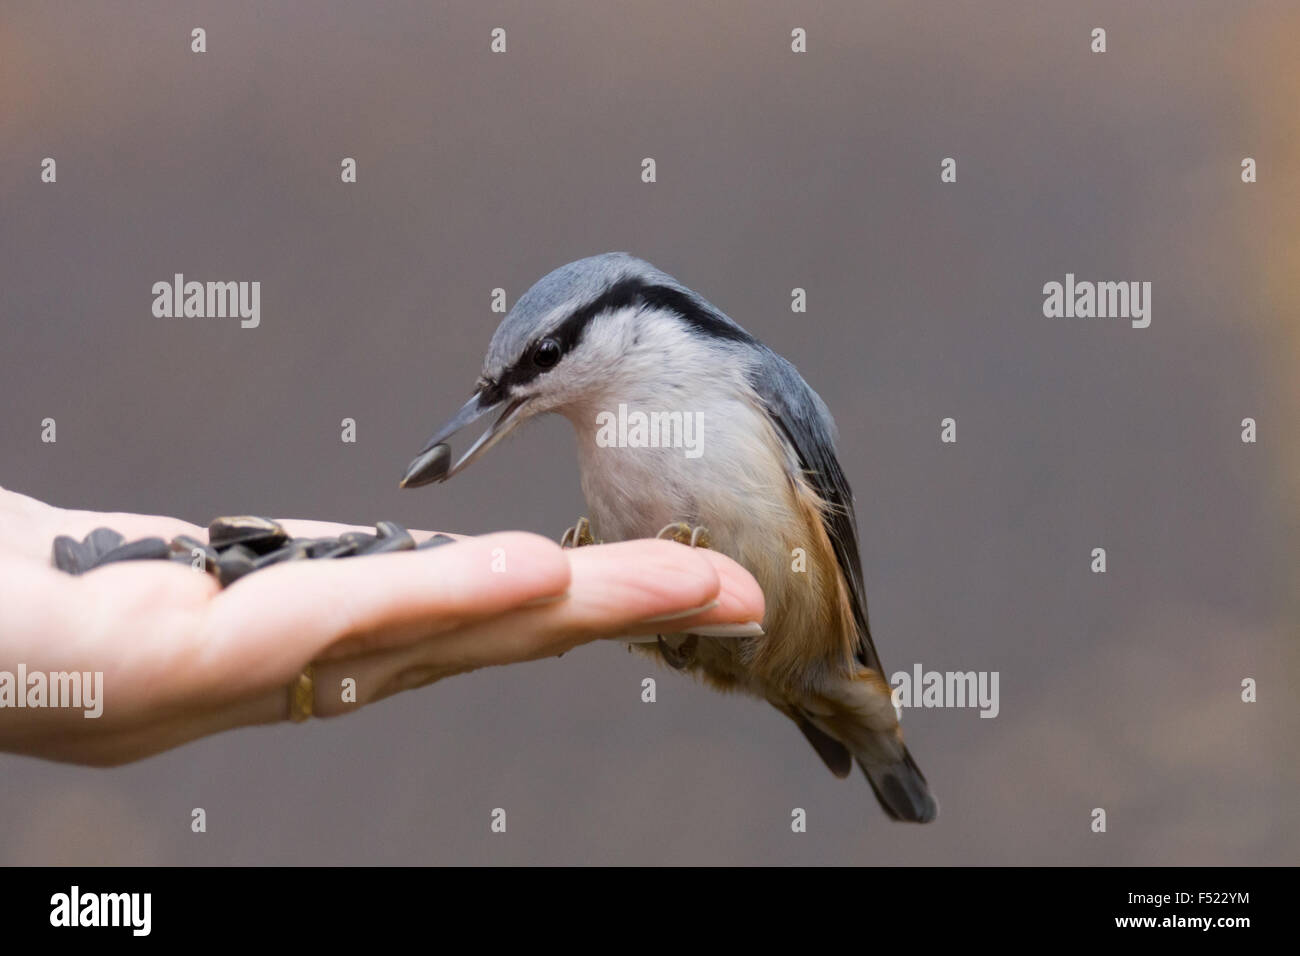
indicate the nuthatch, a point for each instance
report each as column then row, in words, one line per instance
column 611, row 331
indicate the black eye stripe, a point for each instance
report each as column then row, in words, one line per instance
column 698, row 316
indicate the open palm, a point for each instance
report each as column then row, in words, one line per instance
column 182, row 658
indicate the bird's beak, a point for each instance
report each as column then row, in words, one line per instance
column 477, row 407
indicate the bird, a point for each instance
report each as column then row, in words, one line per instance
column 613, row 332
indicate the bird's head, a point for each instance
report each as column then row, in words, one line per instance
column 578, row 336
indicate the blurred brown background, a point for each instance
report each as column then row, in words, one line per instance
column 775, row 170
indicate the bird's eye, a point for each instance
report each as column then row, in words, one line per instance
column 546, row 353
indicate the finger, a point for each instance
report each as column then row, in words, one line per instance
column 275, row 621
column 739, row 600
column 613, row 590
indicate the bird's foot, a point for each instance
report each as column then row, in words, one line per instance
column 681, row 656
column 579, row 536
column 682, row 533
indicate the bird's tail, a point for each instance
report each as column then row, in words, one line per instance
column 902, row 791
column 858, row 715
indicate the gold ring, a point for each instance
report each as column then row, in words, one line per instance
column 302, row 691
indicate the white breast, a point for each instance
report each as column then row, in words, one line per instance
column 738, row 487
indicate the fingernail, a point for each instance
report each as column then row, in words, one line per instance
column 747, row 629
column 678, row 615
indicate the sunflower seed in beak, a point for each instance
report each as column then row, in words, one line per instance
column 432, row 466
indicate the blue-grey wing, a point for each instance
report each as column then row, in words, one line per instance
column 803, row 419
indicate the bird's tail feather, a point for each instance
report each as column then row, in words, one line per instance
column 902, row 791
column 859, row 714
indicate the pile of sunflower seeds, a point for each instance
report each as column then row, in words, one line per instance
column 235, row 547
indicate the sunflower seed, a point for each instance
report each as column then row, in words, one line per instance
column 146, row 549
column 183, row 547
column 344, row 549
column 101, row 541
column 234, row 563
column 358, row 539
column 293, row 551
column 428, row 467
column 392, row 542
column 71, row 555
column 259, row 535
column 437, row 541
column 387, row 529
column 317, row 547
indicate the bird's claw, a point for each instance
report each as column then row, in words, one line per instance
column 682, row 533
column 579, row 536
column 679, row 657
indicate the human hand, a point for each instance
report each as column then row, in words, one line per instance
column 181, row 658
